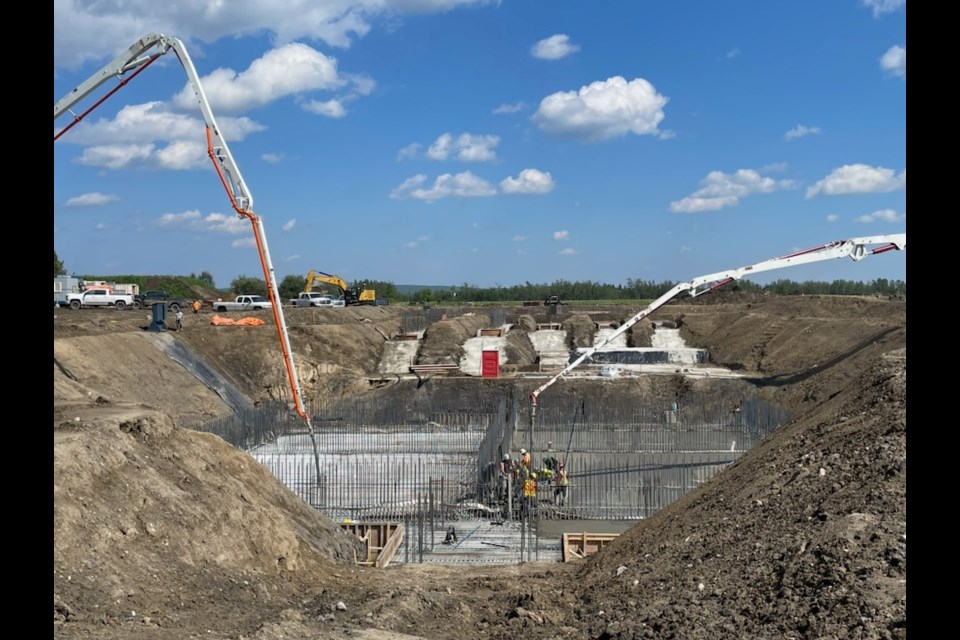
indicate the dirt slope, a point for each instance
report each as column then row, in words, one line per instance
column 163, row 533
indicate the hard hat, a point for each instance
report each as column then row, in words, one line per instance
column 506, row 456
column 523, row 450
column 533, row 475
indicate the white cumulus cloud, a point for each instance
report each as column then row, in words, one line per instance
column 172, row 219
column 288, row 70
column 858, row 178
column 226, row 223
column 555, row 47
column 464, row 184
column 149, row 135
column 329, row 108
column 561, row 235
column 289, row 224
column 880, row 7
column 92, row 199
column 85, row 30
column 720, row 190
column 466, row 147
column 894, row 61
column 529, row 181
column 603, row 110
column 569, row 251
column 409, row 151
column 510, row 108
column 881, row 215
column 215, row 222
column 801, row 131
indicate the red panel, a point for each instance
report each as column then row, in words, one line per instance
column 490, row 363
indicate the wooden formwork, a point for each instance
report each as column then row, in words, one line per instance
column 434, row 368
column 382, row 540
column 577, row 546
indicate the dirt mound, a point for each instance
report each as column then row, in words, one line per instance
column 806, row 552
column 519, row 350
column 580, row 329
column 151, row 519
column 443, row 340
column 525, row 322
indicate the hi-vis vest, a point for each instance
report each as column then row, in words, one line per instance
column 562, row 478
column 529, row 488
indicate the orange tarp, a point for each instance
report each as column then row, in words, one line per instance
column 240, row 322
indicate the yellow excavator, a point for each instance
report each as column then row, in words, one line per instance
column 351, row 295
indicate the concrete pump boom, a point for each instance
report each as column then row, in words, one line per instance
column 854, row 248
column 135, row 59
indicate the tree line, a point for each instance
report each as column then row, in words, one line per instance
column 568, row 291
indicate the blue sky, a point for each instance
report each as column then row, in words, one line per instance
column 488, row 142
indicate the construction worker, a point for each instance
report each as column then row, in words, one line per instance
column 521, row 473
column 529, row 500
column 506, row 465
column 545, row 474
column 503, row 478
column 525, row 458
column 196, row 306
column 179, row 320
column 563, row 482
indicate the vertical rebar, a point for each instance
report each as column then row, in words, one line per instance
column 430, row 495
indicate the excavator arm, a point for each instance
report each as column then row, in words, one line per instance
column 319, row 276
column 128, row 65
column 854, row 248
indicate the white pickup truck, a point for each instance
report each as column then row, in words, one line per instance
column 99, row 297
column 242, row 303
column 312, row 299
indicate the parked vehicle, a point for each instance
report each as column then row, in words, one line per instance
column 63, row 285
column 242, row 303
column 149, row 298
column 99, row 297
column 313, row 299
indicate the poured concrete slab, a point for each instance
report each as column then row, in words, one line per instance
column 470, row 362
column 398, row 355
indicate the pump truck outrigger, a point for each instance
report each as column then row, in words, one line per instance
column 127, row 66
column 855, row 248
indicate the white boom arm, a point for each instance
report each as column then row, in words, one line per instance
column 854, row 248
column 136, row 58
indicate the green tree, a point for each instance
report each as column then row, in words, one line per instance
column 424, row 295
column 290, row 286
column 58, row 268
column 245, row 285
